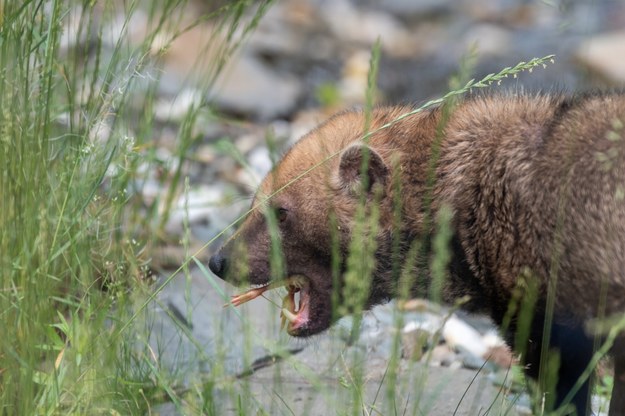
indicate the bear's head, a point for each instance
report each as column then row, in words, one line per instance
column 301, row 225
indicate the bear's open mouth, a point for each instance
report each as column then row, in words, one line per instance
column 296, row 313
column 297, row 317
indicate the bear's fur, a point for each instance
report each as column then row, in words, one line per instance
column 536, row 187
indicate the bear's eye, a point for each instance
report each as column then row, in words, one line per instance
column 281, row 214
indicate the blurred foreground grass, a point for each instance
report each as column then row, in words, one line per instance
column 77, row 93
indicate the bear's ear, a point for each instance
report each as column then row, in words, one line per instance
column 355, row 160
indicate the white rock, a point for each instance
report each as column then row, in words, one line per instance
column 427, row 322
column 280, row 129
column 205, row 153
column 458, row 333
column 260, row 161
column 200, row 196
column 492, row 339
column 175, row 109
column 169, row 161
column 198, row 204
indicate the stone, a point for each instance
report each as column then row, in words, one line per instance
column 442, row 355
column 489, row 39
column 260, row 161
column 365, row 27
column 199, row 205
column 407, row 9
column 282, row 29
column 247, row 86
column 604, row 55
column 414, row 343
column 459, row 334
column 472, row 361
column 175, row 109
column 244, row 86
column 353, row 85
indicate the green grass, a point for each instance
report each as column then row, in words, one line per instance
column 76, row 126
column 76, row 135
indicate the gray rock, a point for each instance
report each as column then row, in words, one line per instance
column 489, row 40
column 365, row 27
column 408, row 9
column 604, row 55
column 414, row 344
column 248, row 86
column 442, row 355
column 282, row 29
column 194, row 338
column 474, row 362
column 288, row 388
column 191, row 333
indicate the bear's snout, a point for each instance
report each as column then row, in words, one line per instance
column 218, row 265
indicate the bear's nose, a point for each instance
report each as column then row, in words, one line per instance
column 217, row 264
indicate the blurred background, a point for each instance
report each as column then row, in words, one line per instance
column 307, row 59
column 312, row 53
column 133, row 134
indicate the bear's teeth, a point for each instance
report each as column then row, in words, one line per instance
column 259, row 285
column 297, row 281
column 289, row 315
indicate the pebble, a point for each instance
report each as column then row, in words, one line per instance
column 410, row 9
column 458, row 334
column 442, row 355
column 248, row 86
column 414, row 343
column 362, row 26
column 282, row 30
column 202, row 208
column 178, row 107
column 260, row 162
column 489, row 39
column 604, row 56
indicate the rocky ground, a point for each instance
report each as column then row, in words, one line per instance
column 440, row 371
column 307, row 59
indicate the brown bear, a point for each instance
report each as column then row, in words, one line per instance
column 535, row 185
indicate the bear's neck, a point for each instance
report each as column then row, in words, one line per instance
column 428, row 181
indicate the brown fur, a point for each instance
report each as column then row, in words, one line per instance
column 535, row 186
